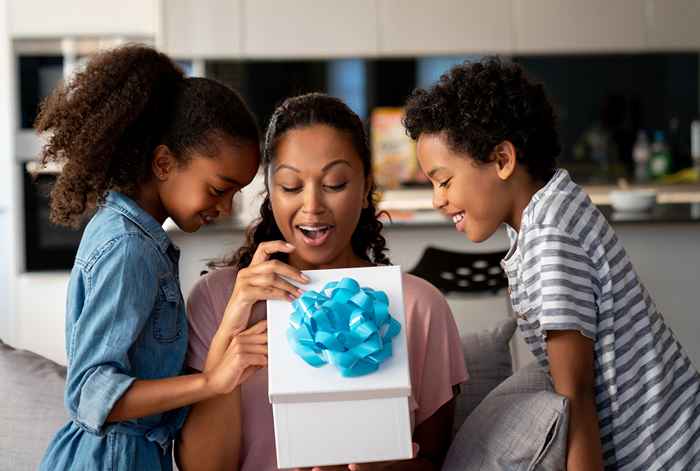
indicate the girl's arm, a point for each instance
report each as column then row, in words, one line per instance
column 245, row 353
column 571, row 365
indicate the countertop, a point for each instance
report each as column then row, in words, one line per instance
column 677, row 203
column 421, row 198
column 669, row 213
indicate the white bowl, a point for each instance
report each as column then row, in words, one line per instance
column 633, row 200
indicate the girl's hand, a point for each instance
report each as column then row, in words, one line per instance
column 246, row 354
column 261, row 280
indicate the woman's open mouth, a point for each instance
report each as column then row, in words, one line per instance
column 315, row 234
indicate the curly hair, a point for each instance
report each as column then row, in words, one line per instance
column 299, row 112
column 479, row 105
column 104, row 125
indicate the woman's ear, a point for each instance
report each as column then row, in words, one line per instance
column 369, row 181
column 163, row 162
column 505, row 158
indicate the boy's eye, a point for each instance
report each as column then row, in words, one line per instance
column 336, row 187
column 445, row 183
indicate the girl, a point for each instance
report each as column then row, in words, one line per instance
column 318, row 213
column 142, row 143
column 487, row 140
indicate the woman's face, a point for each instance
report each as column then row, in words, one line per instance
column 317, row 191
column 198, row 192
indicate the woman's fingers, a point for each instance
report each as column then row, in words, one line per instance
column 271, row 280
column 267, row 249
column 256, row 330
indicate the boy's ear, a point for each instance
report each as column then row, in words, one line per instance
column 163, row 162
column 505, row 157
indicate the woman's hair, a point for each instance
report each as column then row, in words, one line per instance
column 105, row 123
column 479, row 105
column 300, row 112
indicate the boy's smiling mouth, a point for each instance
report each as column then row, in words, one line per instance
column 457, row 218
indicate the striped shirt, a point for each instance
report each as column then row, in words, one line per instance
column 568, row 271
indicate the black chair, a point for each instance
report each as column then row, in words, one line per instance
column 462, row 272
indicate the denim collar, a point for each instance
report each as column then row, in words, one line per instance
column 136, row 214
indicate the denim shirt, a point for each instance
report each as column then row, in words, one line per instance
column 125, row 320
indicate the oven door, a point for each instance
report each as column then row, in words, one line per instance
column 47, row 246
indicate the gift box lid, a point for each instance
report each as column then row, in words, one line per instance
column 291, row 379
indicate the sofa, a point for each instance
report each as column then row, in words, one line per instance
column 503, row 420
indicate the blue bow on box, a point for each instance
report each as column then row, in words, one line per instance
column 350, row 328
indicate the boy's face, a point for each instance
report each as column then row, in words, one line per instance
column 471, row 193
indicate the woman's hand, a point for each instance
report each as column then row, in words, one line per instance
column 246, row 353
column 261, row 280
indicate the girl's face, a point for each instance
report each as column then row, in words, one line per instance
column 471, row 193
column 317, row 191
column 198, row 192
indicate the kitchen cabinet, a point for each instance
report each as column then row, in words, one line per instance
column 50, row 19
column 673, row 25
column 417, row 27
column 201, row 28
column 553, row 26
column 309, row 28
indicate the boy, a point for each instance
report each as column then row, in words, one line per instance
column 487, row 140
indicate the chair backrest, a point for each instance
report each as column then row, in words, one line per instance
column 462, row 272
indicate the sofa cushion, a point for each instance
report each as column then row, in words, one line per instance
column 488, row 359
column 31, row 410
column 520, row 425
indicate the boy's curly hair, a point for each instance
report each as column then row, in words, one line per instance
column 300, row 112
column 104, row 124
column 479, row 105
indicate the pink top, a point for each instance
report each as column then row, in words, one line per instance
column 435, row 357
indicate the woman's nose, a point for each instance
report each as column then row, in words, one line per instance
column 313, row 200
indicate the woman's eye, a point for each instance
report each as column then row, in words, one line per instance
column 290, row 189
column 217, row 192
column 445, row 183
column 336, row 187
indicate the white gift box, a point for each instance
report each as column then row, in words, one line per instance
column 322, row 418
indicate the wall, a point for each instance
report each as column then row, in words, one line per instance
column 7, row 212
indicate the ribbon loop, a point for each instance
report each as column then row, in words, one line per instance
column 345, row 325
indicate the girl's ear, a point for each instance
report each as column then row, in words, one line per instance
column 163, row 162
column 369, row 181
column 505, row 157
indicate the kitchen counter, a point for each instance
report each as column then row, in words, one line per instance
column 669, row 213
column 421, row 198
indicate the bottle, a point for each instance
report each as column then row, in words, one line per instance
column 660, row 161
column 640, row 154
column 695, row 143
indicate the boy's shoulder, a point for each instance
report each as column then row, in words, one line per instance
column 563, row 206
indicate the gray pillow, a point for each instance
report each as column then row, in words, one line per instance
column 488, row 359
column 31, row 410
column 520, row 425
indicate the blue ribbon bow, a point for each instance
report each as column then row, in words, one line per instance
column 350, row 328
